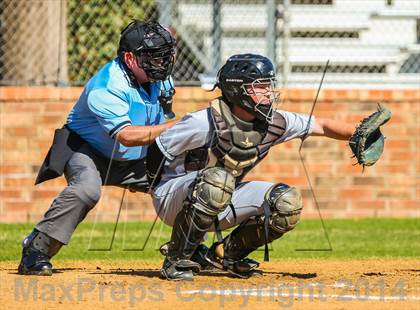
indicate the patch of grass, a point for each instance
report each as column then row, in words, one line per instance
column 350, row 239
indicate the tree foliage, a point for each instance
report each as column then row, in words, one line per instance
column 94, row 28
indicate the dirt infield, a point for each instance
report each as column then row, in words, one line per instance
column 302, row 284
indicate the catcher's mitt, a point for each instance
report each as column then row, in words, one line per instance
column 367, row 142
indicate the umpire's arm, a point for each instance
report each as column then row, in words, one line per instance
column 141, row 135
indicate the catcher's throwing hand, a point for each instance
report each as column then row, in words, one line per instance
column 367, row 142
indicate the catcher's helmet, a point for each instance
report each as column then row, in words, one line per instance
column 241, row 78
column 154, row 45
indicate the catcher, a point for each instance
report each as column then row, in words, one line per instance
column 196, row 169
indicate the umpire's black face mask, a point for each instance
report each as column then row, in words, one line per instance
column 158, row 65
column 153, row 46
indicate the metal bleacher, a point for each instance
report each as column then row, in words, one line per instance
column 363, row 39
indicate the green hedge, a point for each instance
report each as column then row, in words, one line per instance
column 93, row 32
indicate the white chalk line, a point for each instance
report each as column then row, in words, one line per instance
column 272, row 292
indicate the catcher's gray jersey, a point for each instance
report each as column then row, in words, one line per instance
column 196, row 130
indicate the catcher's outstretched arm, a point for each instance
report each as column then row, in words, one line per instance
column 332, row 129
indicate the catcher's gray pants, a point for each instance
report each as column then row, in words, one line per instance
column 247, row 200
column 86, row 173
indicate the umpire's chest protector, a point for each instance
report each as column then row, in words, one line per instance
column 237, row 145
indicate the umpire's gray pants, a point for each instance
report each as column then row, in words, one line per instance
column 86, row 172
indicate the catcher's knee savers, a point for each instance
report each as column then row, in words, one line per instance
column 285, row 205
column 210, row 195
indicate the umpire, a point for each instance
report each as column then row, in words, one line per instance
column 104, row 142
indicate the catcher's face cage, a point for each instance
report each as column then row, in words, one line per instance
column 265, row 94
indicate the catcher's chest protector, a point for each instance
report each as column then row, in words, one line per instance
column 237, row 145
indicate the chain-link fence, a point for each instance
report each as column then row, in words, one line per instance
column 64, row 42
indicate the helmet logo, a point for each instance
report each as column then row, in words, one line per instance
column 234, row 80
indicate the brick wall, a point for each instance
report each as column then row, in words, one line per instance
column 28, row 117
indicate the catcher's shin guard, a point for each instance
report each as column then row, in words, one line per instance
column 37, row 250
column 284, row 205
column 211, row 194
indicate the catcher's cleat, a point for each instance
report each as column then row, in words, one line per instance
column 243, row 268
column 181, row 270
column 34, row 262
column 198, row 256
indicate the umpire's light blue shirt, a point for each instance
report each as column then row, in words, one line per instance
column 108, row 104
